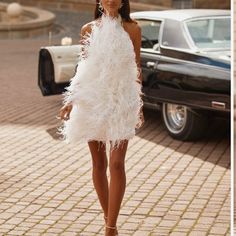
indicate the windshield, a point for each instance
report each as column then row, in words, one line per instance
column 211, row 33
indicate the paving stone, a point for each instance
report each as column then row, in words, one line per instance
column 173, row 187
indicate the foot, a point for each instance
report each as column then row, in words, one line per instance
column 110, row 231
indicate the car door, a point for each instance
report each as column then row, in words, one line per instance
column 150, row 54
column 57, row 65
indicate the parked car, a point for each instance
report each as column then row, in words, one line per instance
column 185, row 59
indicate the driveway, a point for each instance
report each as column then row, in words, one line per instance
column 173, row 188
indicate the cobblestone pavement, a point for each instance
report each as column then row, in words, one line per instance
column 173, row 188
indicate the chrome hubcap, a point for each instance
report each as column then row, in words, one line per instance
column 175, row 117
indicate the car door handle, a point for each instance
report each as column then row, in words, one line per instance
column 151, row 64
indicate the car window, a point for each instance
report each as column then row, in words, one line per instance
column 150, row 33
column 210, row 33
column 173, row 35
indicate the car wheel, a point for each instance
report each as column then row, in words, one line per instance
column 45, row 72
column 183, row 123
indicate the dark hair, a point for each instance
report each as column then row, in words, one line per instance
column 124, row 11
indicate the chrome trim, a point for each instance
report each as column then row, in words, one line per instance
column 218, row 105
column 161, row 33
column 149, row 50
column 191, row 62
column 188, row 38
column 152, row 105
column 175, row 117
column 152, row 64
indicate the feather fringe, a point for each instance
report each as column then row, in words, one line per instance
column 104, row 92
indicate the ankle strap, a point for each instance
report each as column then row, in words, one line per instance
column 111, row 227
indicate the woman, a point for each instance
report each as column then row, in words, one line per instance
column 108, row 95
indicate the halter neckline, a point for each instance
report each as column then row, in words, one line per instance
column 119, row 18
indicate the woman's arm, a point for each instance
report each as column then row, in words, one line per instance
column 84, row 33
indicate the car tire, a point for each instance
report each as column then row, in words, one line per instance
column 183, row 123
column 45, row 72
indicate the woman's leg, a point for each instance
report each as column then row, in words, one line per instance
column 117, row 184
column 100, row 180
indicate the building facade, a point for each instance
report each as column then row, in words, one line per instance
column 219, row 4
column 135, row 5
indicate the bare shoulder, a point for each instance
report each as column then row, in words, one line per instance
column 87, row 27
column 135, row 25
column 133, row 29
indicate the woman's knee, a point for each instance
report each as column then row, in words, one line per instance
column 116, row 165
column 99, row 157
column 100, row 163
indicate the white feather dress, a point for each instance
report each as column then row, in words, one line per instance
column 104, row 91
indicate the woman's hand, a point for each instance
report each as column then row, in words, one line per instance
column 64, row 113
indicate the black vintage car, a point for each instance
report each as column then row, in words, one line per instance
column 185, row 58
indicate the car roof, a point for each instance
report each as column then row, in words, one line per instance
column 180, row 14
